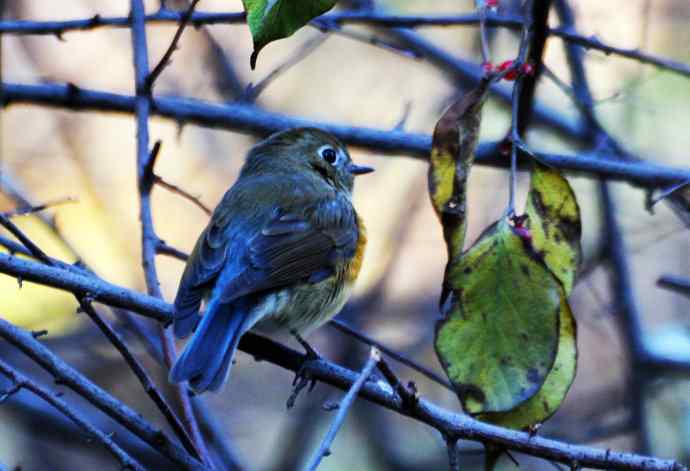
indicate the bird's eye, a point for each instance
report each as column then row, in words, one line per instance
column 329, row 155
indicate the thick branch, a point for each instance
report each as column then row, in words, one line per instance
column 253, row 120
column 447, row 423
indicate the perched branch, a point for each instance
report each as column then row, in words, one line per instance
column 22, row 382
column 447, row 423
column 343, row 408
column 253, row 120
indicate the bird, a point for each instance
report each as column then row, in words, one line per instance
column 281, row 252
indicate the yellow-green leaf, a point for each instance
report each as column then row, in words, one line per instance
column 270, row 20
column 499, row 335
column 542, row 405
column 554, row 227
column 554, row 223
column 452, row 154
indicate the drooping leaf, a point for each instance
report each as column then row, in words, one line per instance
column 554, row 223
column 554, row 227
column 270, row 20
column 542, row 405
column 452, row 154
column 499, row 335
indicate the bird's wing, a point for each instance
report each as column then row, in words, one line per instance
column 203, row 266
column 296, row 247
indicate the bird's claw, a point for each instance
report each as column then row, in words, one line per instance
column 303, row 378
column 312, row 354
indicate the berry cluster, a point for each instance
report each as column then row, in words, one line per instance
column 525, row 69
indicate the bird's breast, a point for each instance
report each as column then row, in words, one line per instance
column 355, row 263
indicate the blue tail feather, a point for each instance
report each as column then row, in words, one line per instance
column 205, row 362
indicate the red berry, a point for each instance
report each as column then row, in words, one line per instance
column 505, row 65
column 492, row 3
column 527, row 69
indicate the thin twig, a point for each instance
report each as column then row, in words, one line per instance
column 177, row 190
column 367, row 38
column 22, row 382
column 343, row 408
column 149, row 386
column 408, row 394
column 453, row 459
column 253, row 91
column 675, row 283
column 666, row 192
column 26, row 210
column 343, row 327
column 34, row 249
column 629, row 319
column 515, row 135
column 378, row 19
column 145, row 164
column 483, row 39
column 165, row 60
column 99, row 398
column 112, row 335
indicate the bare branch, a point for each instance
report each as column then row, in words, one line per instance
column 101, row 399
column 343, row 408
column 179, row 191
column 145, row 164
column 114, row 338
column 26, row 210
column 253, row 120
column 22, row 382
column 58, row 28
column 675, row 283
column 343, row 327
column 448, row 423
column 165, row 60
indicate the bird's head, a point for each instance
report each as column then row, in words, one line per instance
column 309, row 151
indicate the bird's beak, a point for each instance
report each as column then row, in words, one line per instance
column 359, row 169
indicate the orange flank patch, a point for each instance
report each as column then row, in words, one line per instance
column 356, row 262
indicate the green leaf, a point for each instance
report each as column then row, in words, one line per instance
column 499, row 335
column 452, row 154
column 554, row 223
column 270, row 20
column 542, row 405
column 555, row 228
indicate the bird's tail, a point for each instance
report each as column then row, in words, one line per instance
column 206, row 360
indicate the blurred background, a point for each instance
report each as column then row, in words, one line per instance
column 50, row 155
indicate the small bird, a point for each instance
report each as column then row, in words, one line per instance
column 281, row 251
